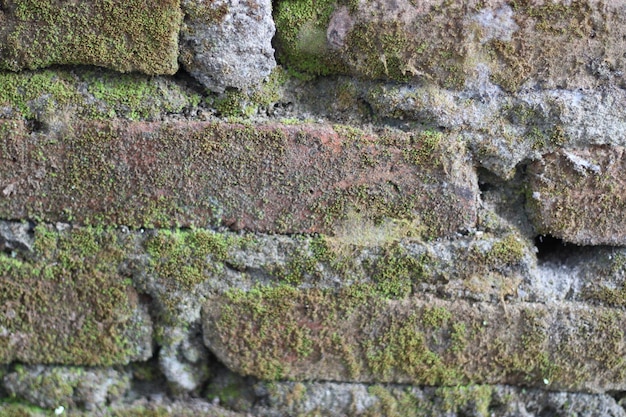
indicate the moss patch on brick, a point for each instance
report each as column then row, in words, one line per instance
column 547, row 44
column 137, row 35
column 354, row 334
column 578, row 195
column 58, row 95
column 70, row 304
column 268, row 178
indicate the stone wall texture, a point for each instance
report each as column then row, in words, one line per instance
column 312, row 208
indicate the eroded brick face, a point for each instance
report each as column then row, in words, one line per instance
column 580, row 195
column 266, row 178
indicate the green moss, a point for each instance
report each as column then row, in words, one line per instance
column 388, row 49
column 614, row 296
column 265, row 326
column 207, row 13
column 562, row 209
column 136, row 35
column 233, row 391
column 388, row 402
column 31, row 93
column 55, row 385
column 507, row 251
column 265, row 307
column 236, row 103
column 558, row 19
column 396, row 272
column 301, row 36
column 515, row 70
column 426, row 148
column 532, row 362
column 300, row 267
column 135, row 96
column 402, row 346
column 182, row 260
column 474, row 397
column 226, row 395
column 280, row 332
column 10, row 408
column 524, row 57
column 383, row 45
column 436, row 317
column 70, row 301
column 47, row 95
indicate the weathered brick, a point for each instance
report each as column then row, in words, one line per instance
column 270, row 178
column 353, row 335
column 67, row 303
column 556, row 43
column 580, row 195
column 136, row 35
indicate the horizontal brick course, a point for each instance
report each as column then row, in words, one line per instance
column 269, row 178
column 284, row 333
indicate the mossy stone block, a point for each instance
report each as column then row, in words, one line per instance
column 354, row 335
column 266, row 177
column 579, row 195
column 66, row 303
column 455, row 44
column 136, row 35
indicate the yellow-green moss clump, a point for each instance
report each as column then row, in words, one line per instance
column 395, row 402
column 58, row 95
column 180, row 261
column 135, row 35
column 236, row 103
column 69, row 304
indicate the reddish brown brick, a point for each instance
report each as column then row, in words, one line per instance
column 270, row 177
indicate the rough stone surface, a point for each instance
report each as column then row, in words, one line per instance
column 228, row 43
column 337, row 399
column 579, row 195
column 355, row 335
column 585, row 274
column 15, row 236
column 184, row 360
column 401, row 200
column 503, row 130
column 268, row 178
column 51, row 387
column 67, row 303
column 158, row 407
column 137, row 35
column 529, row 43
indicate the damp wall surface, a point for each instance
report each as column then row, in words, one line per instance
column 312, row 208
